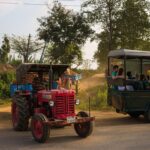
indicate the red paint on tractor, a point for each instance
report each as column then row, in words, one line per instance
column 40, row 110
column 64, row 102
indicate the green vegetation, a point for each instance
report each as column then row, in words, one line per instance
column 124, row 24
column 4, row 50
column 97, row 96
column 65, row 31
column 5, row 80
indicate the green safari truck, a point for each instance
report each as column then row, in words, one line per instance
column 134, row 96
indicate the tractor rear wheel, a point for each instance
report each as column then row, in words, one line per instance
column 40, row 131
column 20, row 113
column 83, row 129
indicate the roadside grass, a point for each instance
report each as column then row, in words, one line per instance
column 5, row 102
column 98, row 99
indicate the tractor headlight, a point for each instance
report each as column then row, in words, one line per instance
column 77, row 101
column 51, row 103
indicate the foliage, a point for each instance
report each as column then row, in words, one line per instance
column 14, row 62
column 98, row 98
column 125, row 24
column 133, row 24
column 25, row 47
column 5, row 80
column 66, row 55
column 4, row 50
column 66, row 31
column 103, row 12
column 102, row 51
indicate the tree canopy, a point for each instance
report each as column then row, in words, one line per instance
column 4, row 50
column 133, row 24
column 25, row 47
column 125, row 24
column 65, row 31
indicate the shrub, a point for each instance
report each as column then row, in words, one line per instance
column 98, row 98
column 5, row 80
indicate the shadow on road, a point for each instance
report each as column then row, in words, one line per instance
column 118, row 121
column 5, row 116
column 15, row 140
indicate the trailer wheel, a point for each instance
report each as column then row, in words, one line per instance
column 20, row 113
column 134, row 115
column 39, row 130
column 147, row 115
column 83, row 129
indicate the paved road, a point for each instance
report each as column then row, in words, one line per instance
column 112, row 132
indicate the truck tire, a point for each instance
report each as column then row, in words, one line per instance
column 134, row 115
column 147, row 116
column 83, row 129
column 20, row 113
column 40, row 131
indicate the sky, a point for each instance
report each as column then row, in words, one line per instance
column 21, row 19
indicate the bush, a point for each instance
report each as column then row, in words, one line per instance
column 5, row 80
column 98, row 98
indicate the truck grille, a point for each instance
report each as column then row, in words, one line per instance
column 64, row 104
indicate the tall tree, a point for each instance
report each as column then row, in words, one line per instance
column 133, row 24
column 104, row 13
column 130, row 29
column 4, row 50
column 65, row 31
column 25, row 47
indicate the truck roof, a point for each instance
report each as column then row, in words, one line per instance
column 122, row 53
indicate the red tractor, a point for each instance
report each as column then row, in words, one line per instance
column 36, row 96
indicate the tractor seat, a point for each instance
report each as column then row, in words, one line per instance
column 37, row 84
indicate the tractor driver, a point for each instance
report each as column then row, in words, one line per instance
column 37, row 82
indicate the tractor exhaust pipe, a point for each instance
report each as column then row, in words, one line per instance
column 50, row 77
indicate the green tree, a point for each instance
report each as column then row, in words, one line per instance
column 130, row 29
column 103, row 12
column 4, row 50
column 65, row 31
column 133, row 25
column 102, row 50
column 25, row 47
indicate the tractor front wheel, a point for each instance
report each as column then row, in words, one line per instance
column 40, row 131
column 83, row 129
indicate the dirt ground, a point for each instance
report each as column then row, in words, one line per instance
column 5, row 117
column 112, row 131
column 90, row 82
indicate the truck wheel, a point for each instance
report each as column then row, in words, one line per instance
column 147, row 115
column 20, row 113
column 83, row 129
column 134, row 115
column 39, row 130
